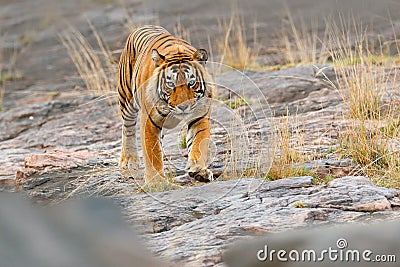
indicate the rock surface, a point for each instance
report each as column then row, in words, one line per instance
column 220, row 213
column 195, row 226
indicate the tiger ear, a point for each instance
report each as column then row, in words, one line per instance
column 157, row 58
column 200, row 55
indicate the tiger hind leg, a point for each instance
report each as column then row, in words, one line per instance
column 129, row 153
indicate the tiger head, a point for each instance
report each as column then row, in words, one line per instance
column 182, row 81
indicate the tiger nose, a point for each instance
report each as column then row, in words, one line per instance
column 183, row 107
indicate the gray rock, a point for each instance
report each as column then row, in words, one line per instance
column 87, row 233
column 297, row 90
column 220, row 213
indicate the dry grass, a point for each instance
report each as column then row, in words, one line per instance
column 288, row 159
column 361, row 82
column 181, row 31
column 303, row 44
column 1, row 84
column 9, row 71
column 367, row 80
column 96, row 66
column 368, row 87
column 233, row 45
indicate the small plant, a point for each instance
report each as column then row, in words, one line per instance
column 10, row 73
column 279, row 171
column 365, row 73
column 237, row 102
column 182, row 140
column 299, row 205
column 27, row 38
column 326, row 179
column 159, row 187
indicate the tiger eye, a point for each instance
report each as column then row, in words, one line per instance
column 192, row 83
column 170, row 85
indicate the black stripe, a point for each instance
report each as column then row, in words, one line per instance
column 148, row 115
column 179, row 59
column 163, row 42
column 129, row 125
column 202, row 130
column 132, row 107
column 162, row 114
column 196, row 120
column 158, row 127
column 128, row 116
column 189, row 141
column 189, row 144
column 129, row 135
column 150, row 35
column 140, row 39
column 168, row 45
column 200, row 79
column 185, row 67
column 122, row 105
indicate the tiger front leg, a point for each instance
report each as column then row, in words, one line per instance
column 129, row 154
column 197, row 140
column 152, row 152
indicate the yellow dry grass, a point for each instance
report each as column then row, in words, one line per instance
column 367, row 82
column 233, row 46
column 96, row 66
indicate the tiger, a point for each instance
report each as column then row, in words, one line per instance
column 162, row 80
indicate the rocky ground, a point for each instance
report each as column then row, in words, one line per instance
column 58, row 141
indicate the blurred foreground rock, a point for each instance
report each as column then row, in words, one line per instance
column 85, row 233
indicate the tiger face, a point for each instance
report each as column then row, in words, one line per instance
column 182, row 86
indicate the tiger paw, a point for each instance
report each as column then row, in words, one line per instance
column 128, row 162
column 201, row 174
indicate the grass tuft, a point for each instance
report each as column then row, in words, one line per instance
column 303, row 44
column 288, row 159
column 97, row 67
column 367, row 82
column 1, row 71
column 233, row 45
